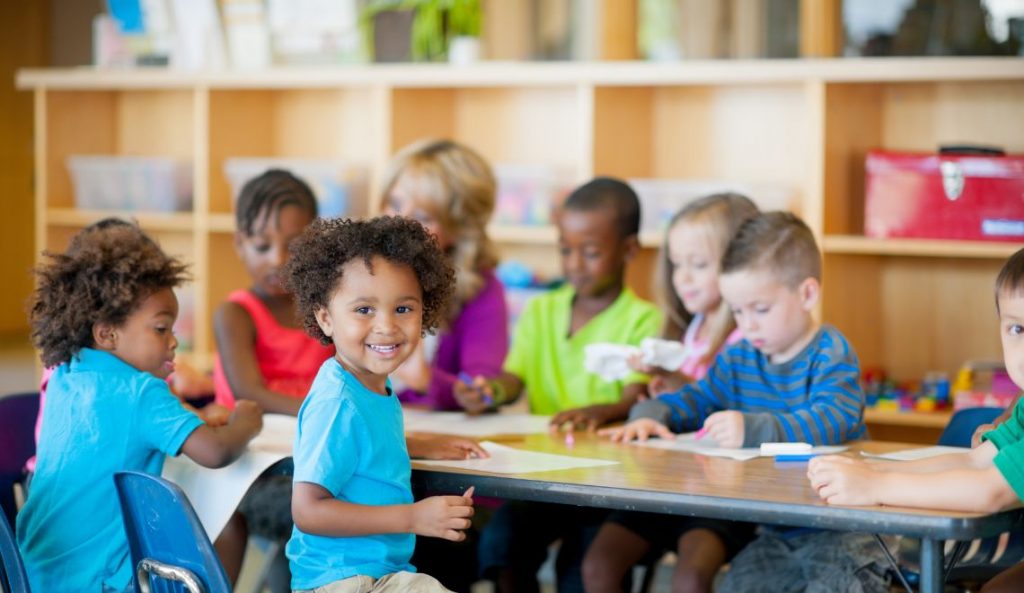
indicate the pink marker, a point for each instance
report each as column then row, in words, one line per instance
column 569, row 439
column 700, row 434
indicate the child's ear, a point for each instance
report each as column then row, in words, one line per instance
column 239, row 237
column 810, row 292
column 323, row 319
column 630, row 247
column 104, row 335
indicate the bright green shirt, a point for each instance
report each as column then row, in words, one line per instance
column 550, row 362
column 1008, row 437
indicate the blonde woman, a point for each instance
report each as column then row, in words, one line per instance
column 450, row 189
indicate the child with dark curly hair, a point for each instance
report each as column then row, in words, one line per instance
column 372, row 288
column 102, row 315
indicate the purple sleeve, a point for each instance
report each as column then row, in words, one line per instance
column 476, row 345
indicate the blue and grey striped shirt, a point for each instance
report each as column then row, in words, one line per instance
column 816, row 397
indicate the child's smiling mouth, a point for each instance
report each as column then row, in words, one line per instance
column 386, row 350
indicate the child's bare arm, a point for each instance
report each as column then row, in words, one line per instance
column 976, row 458
column 316, row 511
column 592, row 417
column 235, row 333
column 218, row 446
column 971, row 488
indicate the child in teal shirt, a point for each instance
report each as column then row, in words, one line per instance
column 103, row 315
column 372, row 288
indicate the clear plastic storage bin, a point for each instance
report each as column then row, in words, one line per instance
column 660, row 199
column 529, row 194
column 340, row 188
column 156, row 184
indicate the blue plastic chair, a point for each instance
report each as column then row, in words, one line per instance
column 13, row 577
column 17, row 444
column 169, row 547
column 963, row 424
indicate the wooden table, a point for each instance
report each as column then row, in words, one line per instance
column 761, row 491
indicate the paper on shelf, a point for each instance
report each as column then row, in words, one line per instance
column 915, row 454
column 462, row 424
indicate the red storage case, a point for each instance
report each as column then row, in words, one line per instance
column 950, row 195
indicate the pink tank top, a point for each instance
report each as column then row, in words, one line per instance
column 288, row 358
column 694, row 365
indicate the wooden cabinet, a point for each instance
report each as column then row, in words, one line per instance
column 908, row 306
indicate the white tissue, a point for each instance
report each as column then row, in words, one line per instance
column 608, row 361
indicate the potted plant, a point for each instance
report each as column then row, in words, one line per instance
column 422, row 30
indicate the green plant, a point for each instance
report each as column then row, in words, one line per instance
column 433, row 26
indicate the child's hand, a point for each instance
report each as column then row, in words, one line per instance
column 636, row 362
column 976, row 437
column 214, row 414
column 667, row 382
column 726, row 428
column 588, row 418
column 188, row 383
column 641, row 430
column 444, row 447
column 475, row 398
column 842, row 480
column 248, row 414
column 446, row 517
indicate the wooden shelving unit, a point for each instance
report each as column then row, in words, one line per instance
column 908, row 306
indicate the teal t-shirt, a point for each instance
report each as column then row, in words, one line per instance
column 351, row 442
column 1008, row 437
column 550, row 362
column 101, row 416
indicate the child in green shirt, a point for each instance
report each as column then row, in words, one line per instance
column 597, row 231
column 989, row 478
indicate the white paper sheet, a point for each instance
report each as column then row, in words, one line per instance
column 461, row 424
column 707, row 446
column 215, row 493
column 915, row 454
column 507, row 460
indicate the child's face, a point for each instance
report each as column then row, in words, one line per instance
column 374, row 319
column 594, row 254
column 146, row 339
column 266, row 250
column 403, row 201
column 774, row 317
column 1011, row 332
column 695, row 265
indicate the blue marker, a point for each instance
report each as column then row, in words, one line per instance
column 798, row 457
column 465, row 378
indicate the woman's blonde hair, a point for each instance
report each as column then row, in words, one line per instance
column 717, row 216
column 460, row 185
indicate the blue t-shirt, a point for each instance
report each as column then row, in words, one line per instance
column 101, row 416
column 350, row 441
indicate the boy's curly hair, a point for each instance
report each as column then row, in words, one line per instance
column 109, row 268
column 320, row 254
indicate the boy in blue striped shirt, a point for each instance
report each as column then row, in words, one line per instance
column 789, row 379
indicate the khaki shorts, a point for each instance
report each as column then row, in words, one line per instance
column 390, row 583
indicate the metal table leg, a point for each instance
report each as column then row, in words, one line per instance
column 931, row 566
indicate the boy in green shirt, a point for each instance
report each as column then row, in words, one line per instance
column 597, row 237
column 597, row 231
column 988, row 479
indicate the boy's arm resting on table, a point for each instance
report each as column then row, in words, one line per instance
column 685, row 410
column 235, row 334
column 969, row 482
column 832, row 415
column 317, row 512
column 592, row 417
column 218, row 446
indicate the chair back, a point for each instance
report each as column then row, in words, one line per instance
column 17, row 444
column 170, row 550
column 12, row 577
column 963, row 424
